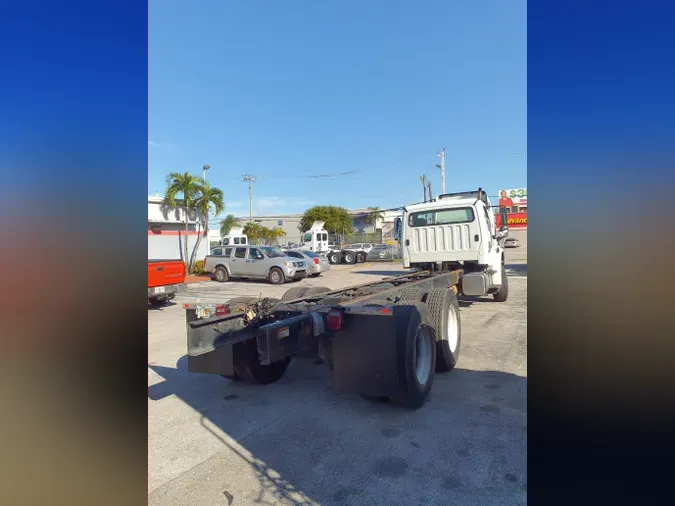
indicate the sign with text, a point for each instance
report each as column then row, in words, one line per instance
column 513, row 197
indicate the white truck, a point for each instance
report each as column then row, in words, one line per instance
column 235, row 237
column 316, row 240
column 457, row 231
column 386, row 338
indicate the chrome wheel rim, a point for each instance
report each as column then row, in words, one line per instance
column 422, row 355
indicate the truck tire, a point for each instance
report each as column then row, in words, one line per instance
column 296, row 292
column 361, row 258
column 158, row 301
column 276, row 276
column 334, row 257
column 247, row 366
column 316, row 290
column 503, row 292
column 221, row 274
column 412, row 295
column 350, row 257
column 444, row 312
column 379, row 303
column 415, row 341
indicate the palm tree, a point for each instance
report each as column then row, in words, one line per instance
column 253, row 232
column 187, row 185
column 373, row 216
column 207, row 196
column 277, row 233
column 227, row 224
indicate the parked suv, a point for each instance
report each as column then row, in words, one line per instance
column 262, row 262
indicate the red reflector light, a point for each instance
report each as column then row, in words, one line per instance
column 334, row 320
column 221, row 310
column 316, row 261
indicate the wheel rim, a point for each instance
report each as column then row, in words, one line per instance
column 453, row 329
column 275, row 276
column 422, row 355
column 350, row 258
column 219, row 275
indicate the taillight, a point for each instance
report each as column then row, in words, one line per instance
column 316, row 261
column 334, row 320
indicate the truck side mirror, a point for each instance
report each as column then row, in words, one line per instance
column 397, row 228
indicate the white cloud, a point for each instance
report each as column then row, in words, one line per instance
column 153, row 144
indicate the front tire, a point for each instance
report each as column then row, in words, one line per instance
column 276, row 276
column 158, row 301
column 503, row 292
column 334, row 258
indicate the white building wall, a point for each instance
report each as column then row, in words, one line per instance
column 166, row 232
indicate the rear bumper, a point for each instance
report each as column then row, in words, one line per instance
column 158, row 291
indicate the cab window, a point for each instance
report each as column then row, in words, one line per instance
column 308, row 237
column 228, row 252
column 240, row 253
column 217, row 252
column 236, row 240
column 255, row 254
column 243, row 240
column 226, row 241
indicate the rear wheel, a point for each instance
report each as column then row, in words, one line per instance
column 416, row 342
column 412, row 295
column 221, row 274
column 503, row 292
column 158, row 301
column 275, row 276
column 350, row 257
column 247, row 366
column 444, row 312
column 360, row 258
column 334, row 258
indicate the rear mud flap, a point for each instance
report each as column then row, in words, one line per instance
column 365, row 356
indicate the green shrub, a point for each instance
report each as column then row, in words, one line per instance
column 198, row 267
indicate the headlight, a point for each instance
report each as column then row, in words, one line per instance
column 288, row 264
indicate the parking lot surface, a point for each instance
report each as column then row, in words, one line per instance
column 212, row 441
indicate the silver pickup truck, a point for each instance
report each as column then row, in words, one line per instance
column 262, row 262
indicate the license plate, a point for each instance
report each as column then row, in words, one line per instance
column 160, row 289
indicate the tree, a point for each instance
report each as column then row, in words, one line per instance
column 277, row 233
column 207, row 197
column 187, row 186
column 227, row 224
column 253, row 232
column 373, row 216
column 337, row 219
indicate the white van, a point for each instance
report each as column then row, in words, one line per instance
column 235, row 237
column 316, row 238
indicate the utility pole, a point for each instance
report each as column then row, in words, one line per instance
column 250, row 180
column 424, row 185
column 204, row 169
column 441, row 155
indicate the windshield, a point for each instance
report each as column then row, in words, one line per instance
column 273, row 252
column 310, row 254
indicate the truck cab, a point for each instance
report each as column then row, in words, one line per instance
column 455, row 230
column 316, row 238
column 236, row 237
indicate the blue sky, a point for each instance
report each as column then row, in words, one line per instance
column 288, row 90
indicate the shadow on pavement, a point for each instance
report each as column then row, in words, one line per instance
column 467, row 446
column 159, row 308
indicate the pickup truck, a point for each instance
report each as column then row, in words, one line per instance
column 165, row 279
column 247, row 261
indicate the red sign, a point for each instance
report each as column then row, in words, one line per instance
column 515, row 220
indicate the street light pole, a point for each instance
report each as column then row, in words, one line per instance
column 204, row 169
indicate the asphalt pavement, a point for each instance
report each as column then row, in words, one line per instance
column 212, row 441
